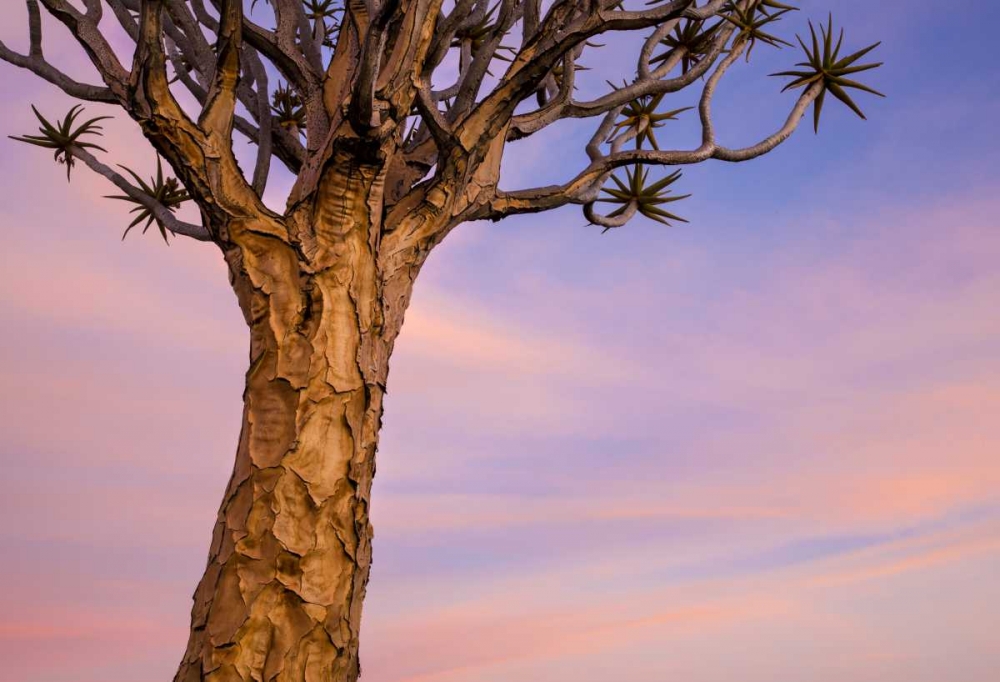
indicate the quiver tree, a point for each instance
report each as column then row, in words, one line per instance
column 393, row 116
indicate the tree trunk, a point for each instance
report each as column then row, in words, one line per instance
column 290, row 556
column 281, row 596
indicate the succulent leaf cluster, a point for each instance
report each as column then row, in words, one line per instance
column 476, row 35
column 65, row 136
column 693, row 38
column 648, row 198
column 323, row 10
column 825, row 66
column 751, row 20
column 559, row 72
column 768, row 6
column 164, row 189
column 288, row 109
column 325, row 14
column 641, row 117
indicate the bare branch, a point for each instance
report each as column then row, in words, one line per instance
column 386, row 54
column 158, row 210
column 35, row 62
column 584, row 187
column 264, row 137
column 768, row 144
column 84, row 29
column 528, row 124
column 220, row 106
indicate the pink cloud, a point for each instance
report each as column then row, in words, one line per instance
column 863, row 383
column 488, row 634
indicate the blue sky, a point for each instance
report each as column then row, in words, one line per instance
column 760, row 444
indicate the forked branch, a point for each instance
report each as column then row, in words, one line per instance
column 437, row 86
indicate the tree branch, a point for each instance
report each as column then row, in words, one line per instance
column 584, row 188
column 220, row 107
column 83, row 27
column 36, row 63
column 160, row 212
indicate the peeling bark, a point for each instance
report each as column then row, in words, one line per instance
column 290, row 556
column 282, row 594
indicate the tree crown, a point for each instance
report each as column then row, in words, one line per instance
column 429, row 91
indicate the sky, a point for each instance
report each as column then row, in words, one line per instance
column 759, row 446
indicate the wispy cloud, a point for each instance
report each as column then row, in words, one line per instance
column 761, row 446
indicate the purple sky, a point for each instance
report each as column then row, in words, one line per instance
column 762, row 446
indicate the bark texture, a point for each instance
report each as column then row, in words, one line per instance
column 290, row 555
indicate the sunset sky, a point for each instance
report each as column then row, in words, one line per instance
column 762, row 446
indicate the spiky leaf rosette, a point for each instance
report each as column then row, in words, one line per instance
column 289, row 109
column 825, row 66
column 323, row 10
column 640, row 116
column 769, row 6
column 647, row 198
column 751, row 20
column 559, row 72
column 476, row 36
column 692, row 38
column 65, row 135
column 325, row 15
column 167, row 191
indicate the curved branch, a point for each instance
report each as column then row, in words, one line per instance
column 362, row 108
column 584, row 187
column 609, row 222
column 83, row 27
column 45, row 70
column 35, row 62
column 527, row 124
column 293, row 64
column 783, row 133
column 436, row 123
column 220, row 106
column 265, row 143
column 158, row 210
column 705, row 105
